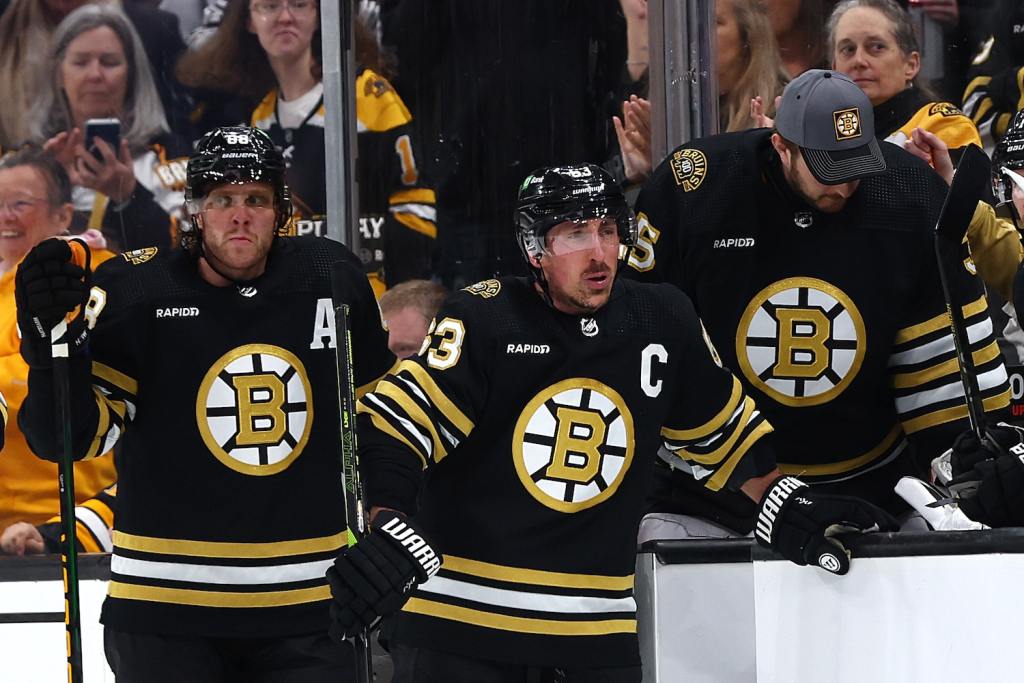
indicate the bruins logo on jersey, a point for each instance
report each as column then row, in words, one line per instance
column 689, row 167
column 945, row 109
column 573, row 444
column 847, row 123
column 254, row 409
column 801, row 341
column 486, row 289
column 139, row 256
column 376, row 87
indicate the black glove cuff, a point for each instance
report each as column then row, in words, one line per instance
column 410, row 540
column 772, row 504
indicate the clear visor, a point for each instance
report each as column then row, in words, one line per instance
column 581, row 234
column 1016, row 183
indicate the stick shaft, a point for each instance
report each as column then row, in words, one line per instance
column 355, row 514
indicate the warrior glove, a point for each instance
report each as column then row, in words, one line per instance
column 374, row 577
column 800, row 523
column 49, row 284
column 998, row 497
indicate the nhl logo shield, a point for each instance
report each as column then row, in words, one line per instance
column 254, row 409
column 589, row 328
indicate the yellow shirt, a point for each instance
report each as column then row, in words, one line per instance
column 28, row 485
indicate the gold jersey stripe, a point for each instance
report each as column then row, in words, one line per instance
column 416, row 224
column 712, row 425
column 846, row 465
column 977, row 83
column 102, row 511
column 102, row 425
column 550, row 627
column 938, row 417
column 716, row 456
column 197, row 598
column 218, row 549
column 537, row 577
column 371, row 385
column 414, row 195
column 436, row 396
column 385, row 426
column 86, row 538
column 905, row 380
column 415, row 413
column 725, row 470
column 115, row 377
column 938, row 322
column 3, row 411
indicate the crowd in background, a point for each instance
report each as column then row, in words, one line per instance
column 456, row 102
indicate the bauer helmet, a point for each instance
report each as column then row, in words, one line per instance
column 234, row 155
column 1008, row 156
column 551, row 196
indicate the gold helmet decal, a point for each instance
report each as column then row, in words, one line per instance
column 255, row 409
column 847, row 122
column 573, row 444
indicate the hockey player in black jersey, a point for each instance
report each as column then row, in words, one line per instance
column 213, row 367
column 537, row 405
column 807, row 251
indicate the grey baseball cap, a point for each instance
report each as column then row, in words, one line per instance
column 830, row 118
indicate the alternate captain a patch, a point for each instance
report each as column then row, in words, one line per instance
column 573, row 444
column 689, row 168
column 847, row 123
column 254, row 409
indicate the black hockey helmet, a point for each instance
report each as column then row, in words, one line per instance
column 234, row 155
column 1008, row 156
column 554, row 195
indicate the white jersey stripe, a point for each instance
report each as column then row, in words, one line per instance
column 220, row 575
column 538, row 602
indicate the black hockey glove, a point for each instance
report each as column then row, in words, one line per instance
column 997, row 499
column 967, row 451
column 800, row 523
column 49, row 284
column 374, row 577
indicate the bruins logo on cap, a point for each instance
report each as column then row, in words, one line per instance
column 847, row 122
column 137, row 257
column 944, row 109
column 689, row 166
column 486, row 289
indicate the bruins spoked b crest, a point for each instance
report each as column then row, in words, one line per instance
column 254, row 409
column 573, row 444
column 801, row 341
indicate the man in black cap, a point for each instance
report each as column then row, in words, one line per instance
column 807, row 251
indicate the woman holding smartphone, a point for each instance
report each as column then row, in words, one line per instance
column 130, row 191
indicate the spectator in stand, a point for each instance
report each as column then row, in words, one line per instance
column 97, row 69
column 873, row 42
column 995, row 89
column 26, row 29
column 798, row 26
column 35, row 204
column 407, row 310
column 749, row 68
column 270, row 50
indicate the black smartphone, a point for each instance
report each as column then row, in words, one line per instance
column 109, row 130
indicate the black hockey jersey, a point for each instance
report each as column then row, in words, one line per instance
column 836, row 323
column 397, row 217
column 995, row 88
column 540, row 430
column 225, row 404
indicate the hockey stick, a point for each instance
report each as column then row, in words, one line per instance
column 972, row 173
column 355, row 514
column 66, row 479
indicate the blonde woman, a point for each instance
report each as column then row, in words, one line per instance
column 749, row 68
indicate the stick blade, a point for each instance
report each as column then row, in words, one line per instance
column 972, row 175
